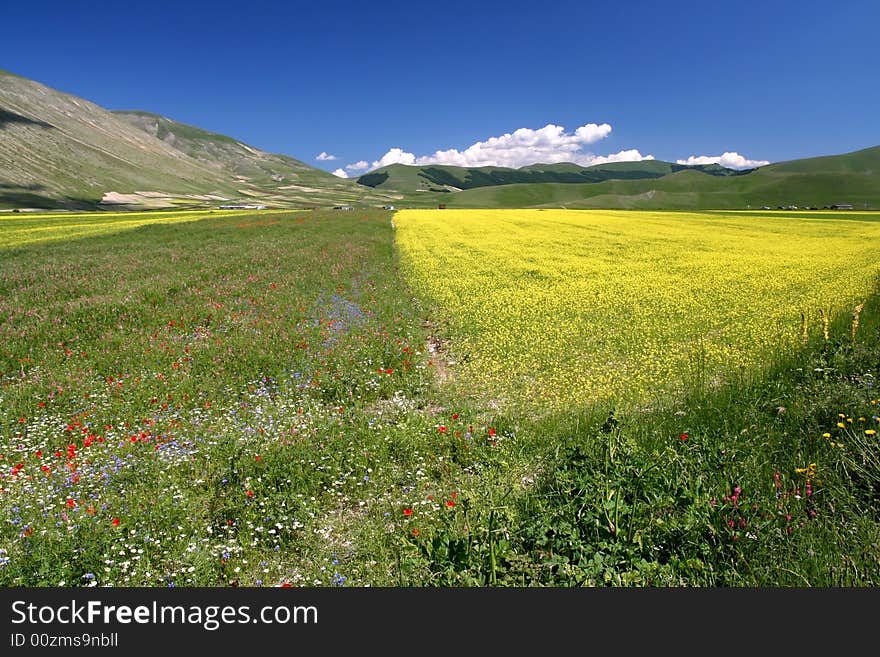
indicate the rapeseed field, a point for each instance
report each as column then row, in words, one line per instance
column 554, row 308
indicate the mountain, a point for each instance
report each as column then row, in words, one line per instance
column 852, row 178
column 57, row 150
column 441, row 178
column 61, row 151
column 256, row 172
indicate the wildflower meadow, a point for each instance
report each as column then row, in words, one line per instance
column 439, row 398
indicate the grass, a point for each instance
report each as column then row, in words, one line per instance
column 251, row 400
column 769, row 483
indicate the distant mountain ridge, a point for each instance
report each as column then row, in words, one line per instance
column 819, row 182
column 453, row 178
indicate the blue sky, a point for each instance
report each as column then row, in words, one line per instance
column 474, row 82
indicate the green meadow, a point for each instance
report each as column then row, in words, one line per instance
column 264, row 399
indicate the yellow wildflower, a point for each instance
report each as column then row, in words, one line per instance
column 810, row 471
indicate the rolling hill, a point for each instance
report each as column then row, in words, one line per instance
column 59, row 151
column 441, row 178
column 851, row 178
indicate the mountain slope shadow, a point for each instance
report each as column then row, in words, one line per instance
column 7, row 117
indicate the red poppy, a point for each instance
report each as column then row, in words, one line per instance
column 491, row 432
column 684, row 437
column 250, row 493
column 455, row 416
column 407, row 512
column 450, row 504
column 442, row 428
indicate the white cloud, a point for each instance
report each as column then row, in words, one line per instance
column 394, row 156
column 324, row 156
column 631, row 155
column 730, row 160
column 341, row 173
column 524, row 146
column 358, row 166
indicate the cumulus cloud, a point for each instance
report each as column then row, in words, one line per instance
column 394, row 156
column 323, row 156
column 631, row 155
column 358, row 166
column 524, row 146
column 730, row 160
column 341, row 173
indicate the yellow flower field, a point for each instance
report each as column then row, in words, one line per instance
column 29, row 228
column 555, row 308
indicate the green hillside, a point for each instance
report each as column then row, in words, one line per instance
column 258, row 176
column 59, row 151
column 852, row 178
column 225, row 153
column 437, row 178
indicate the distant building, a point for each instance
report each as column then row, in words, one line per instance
column 387, row 207
column 242, row 207
column 343, row 207
column 842, row 206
